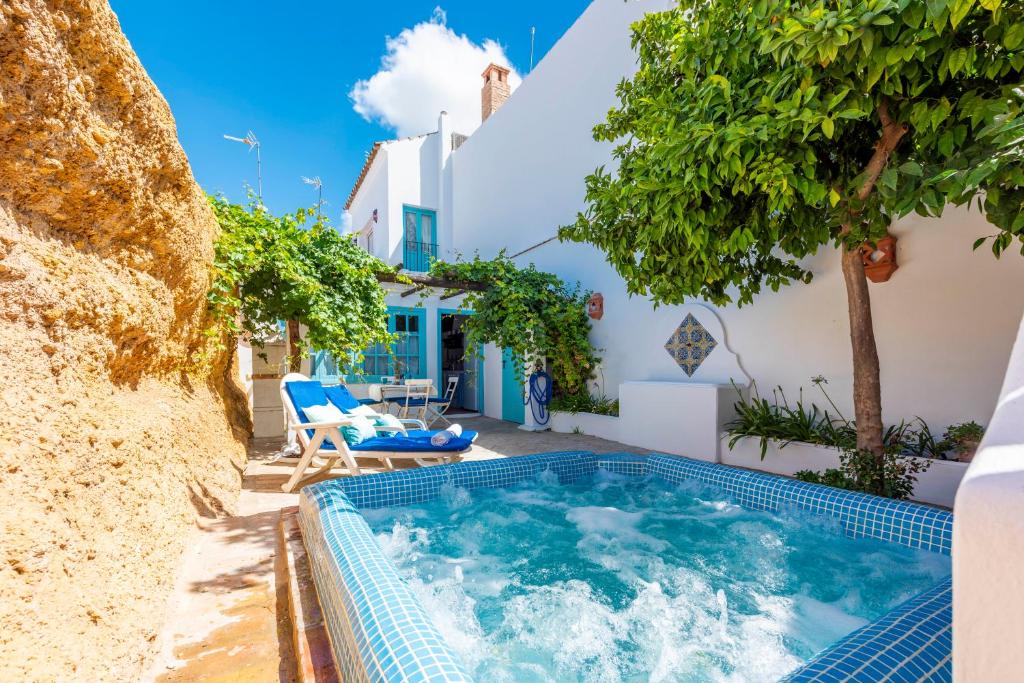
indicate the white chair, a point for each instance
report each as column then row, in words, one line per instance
column 416, row 400
column 438, row 405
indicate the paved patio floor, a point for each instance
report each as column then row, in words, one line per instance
column 228, row 618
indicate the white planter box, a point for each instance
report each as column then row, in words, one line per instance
column 937, row 485
column 603, row 426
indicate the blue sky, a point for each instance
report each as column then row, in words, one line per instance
column 286, row 70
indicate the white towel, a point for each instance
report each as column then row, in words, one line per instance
column 443, row 437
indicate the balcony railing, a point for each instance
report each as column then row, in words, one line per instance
column 417, row 256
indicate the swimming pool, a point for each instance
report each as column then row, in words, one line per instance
column 572, row 566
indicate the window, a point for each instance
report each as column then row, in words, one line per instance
column 406, row 357
column 419, row 238
column 408, row 361
column 369, row 241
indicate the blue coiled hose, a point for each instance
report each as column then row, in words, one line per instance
column 540, row 396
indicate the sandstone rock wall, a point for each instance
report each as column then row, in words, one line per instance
column 111, row 441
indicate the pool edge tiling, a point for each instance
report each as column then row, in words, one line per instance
column 379, row 631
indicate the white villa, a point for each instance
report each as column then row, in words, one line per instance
column 945, row 322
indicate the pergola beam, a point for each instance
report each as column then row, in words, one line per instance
column 410, row 292
column 423, row 281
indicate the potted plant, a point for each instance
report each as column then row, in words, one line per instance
column 963, row 439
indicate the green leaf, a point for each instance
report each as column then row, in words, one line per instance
column 828, row 127
column 911, row 168
column 1013, row 37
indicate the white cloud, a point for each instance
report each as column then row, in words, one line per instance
column 428, row 69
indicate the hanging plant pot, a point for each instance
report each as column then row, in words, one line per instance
column 879, row 259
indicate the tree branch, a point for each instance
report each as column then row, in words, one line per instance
column 892, row 133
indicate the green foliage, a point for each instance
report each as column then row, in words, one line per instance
column 269, row 268
column 966, row 431
column 583, row 402
column 892, row 476
column 962, row 438
column 743, row 137
column 777, row 420
column 535, row 314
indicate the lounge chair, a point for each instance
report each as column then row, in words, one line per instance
column 324, row 443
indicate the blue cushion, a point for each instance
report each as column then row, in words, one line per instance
column 417, row 441
column 400, row 400
column 307, row 393
column 342, row 397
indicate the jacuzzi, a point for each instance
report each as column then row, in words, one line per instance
column 576, row 566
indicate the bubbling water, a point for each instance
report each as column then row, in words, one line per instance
column 624, row 579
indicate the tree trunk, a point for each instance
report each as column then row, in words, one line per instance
column 867, row 386
column 294, row 357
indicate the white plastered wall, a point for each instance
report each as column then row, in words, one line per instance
column 988, row 544
column 944, row 322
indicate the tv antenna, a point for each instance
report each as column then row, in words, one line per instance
column 250, row 139
column 319, row 185
column 533, row 34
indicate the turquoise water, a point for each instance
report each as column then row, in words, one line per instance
column 625, row 579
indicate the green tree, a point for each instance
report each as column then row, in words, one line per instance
column 756, row 131
column 534, row 314
column 272, row 268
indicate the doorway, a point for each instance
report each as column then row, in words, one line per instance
column 512, row 407
column 469, row 395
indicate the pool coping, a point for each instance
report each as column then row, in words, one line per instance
column 380, row 632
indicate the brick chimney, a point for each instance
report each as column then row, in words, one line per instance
column 495, row 91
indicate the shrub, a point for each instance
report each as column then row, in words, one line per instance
column 585, row 403
column 860, row 471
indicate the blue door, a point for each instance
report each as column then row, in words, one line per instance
column 512, row 407
column 419, row 246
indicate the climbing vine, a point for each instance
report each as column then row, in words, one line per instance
column 534, row 314
column 294, row 267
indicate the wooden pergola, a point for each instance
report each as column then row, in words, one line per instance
column 422, row 281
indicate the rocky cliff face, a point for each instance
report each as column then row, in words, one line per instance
column 112, row 440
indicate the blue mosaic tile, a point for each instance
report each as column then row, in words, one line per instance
column 690, row 344
column 623, row 463
column 913, row 642
column 379, row 631
column 419, row 485
column 861, row 515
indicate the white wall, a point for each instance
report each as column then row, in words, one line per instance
column 373, row 194
column 492, row 381
column 410, row 182
column 944, row 322
column 405, row 172
column 988, row 544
